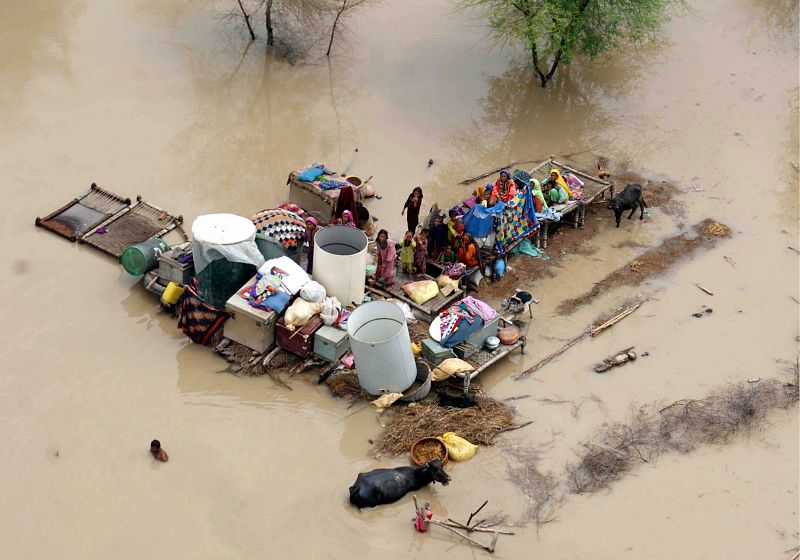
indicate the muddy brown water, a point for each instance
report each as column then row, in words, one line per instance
column 167, row 100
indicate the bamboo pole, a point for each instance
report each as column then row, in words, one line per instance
column 614, row 320
column 550, row 357
column 706, row 290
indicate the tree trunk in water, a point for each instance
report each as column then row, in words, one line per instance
column 333, row 29
column 268, row 17
column 247, row 21
column 535, row 56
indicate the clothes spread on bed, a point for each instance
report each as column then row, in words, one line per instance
column 463, row 319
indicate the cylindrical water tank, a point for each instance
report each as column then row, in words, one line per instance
column 381, row 347
column 340, row 261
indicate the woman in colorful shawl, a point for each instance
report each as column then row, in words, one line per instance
column 539, row 201
column 346, row 201
column 504, row 188
column 345, row 220
column 311, row 231
column 384, row 247
column 413, row 205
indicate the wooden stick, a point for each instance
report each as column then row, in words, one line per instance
column 469, row 180
column 706, row 290
column 474, row 513
column 328, row 372
column 270, row 356
column 550, row 358
column 487, row 548
column 476, row 528
column 614, row 320
column 512, row 428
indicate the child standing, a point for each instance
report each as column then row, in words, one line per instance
column 437, row 237
column 421, row 252
column 407, row 252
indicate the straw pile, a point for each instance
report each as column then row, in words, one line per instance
column 716, row 229
column 478, row 424
column 345, row 386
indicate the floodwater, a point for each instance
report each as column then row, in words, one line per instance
column 168, row 100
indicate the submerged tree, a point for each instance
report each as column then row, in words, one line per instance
column 555, row 31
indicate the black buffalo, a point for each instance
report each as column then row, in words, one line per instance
column 386, row 486
column 628, row 199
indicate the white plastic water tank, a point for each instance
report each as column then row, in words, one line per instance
column 381, row 347
column 340, row 262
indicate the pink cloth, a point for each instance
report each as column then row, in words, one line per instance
column 480, row 308
column 386, row 264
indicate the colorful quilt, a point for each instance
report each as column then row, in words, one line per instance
column 514, row 223
column 282, row 226
column 198, row 320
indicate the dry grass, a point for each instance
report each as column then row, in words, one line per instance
column 681, row 426
column 543, row 491
column 478, row 424
column 653, row 262
column 244, row 361
column 345, row 386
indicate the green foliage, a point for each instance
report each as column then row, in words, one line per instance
column 555, row 31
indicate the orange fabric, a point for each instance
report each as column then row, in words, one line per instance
column 468, row 255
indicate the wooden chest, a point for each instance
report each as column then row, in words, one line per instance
column 255, row 328
column 300, row 341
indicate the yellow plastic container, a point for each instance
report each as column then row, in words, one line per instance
column 172, row 293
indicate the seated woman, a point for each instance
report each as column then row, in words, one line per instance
column 539, row 201
column 557, row 183
column 468, row 253
column 504, row 188
column 345, row 220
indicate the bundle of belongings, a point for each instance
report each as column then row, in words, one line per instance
column 321, row 177
column 276, row 282
column 460, row 321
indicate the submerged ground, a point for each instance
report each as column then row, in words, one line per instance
column 168, row 100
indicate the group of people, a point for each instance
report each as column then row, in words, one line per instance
column 442, row 241
column 555, row 189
